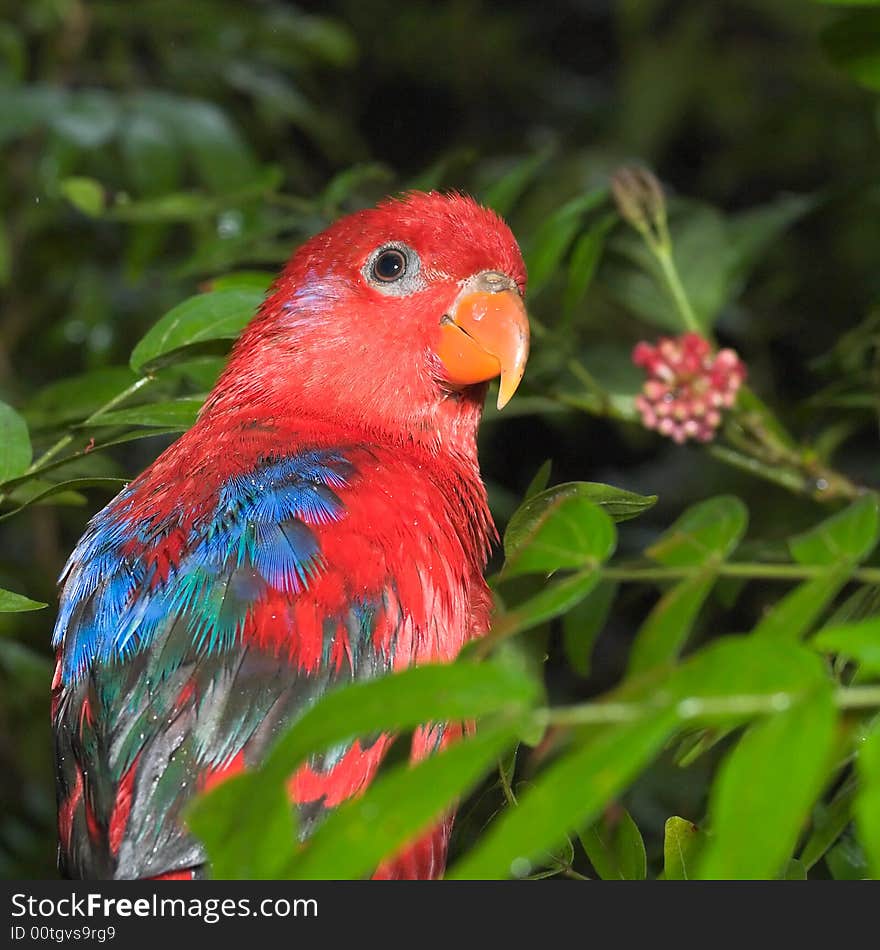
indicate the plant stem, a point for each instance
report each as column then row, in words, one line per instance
column 759, row 449
column 595, row 405
column 590, row 381
column 757, row 443
column 698, row 707
column 794, row 482
column 663, row 255
column 65, row 440
column 747, row 569
column 40, row 464
column 857, row 697
column 506, row 787
column 790, row 470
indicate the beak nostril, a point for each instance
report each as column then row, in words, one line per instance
column 493, row 281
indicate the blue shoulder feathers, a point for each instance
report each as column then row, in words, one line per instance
column 263, row 532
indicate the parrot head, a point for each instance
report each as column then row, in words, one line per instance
column 396, row 316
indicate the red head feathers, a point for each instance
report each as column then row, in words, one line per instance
column 391, row 320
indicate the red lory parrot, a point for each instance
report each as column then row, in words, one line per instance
column 323, row 522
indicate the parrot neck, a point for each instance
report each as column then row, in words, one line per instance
column 264, row 392
column 294, row 363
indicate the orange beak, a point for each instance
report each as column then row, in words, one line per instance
column 486, row 334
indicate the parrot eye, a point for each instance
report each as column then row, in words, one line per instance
column 389, row 265
column 394, row 269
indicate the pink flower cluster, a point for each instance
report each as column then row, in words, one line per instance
column 688, row 385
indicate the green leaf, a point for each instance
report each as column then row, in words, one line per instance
column 553, row 238
column 22, row 664
column 766, row 788
column 297, row 38
column 77, row 397
column 521, row 406
column 706, row 533
column 850, row 535
column 201, row 372
column 403, row 700
column 344, row 185
column 26, row 107
column 257, row 280
column 539, row 481
column 614, row 378
column 15, row 444
column 280, row 100
column 175, row 206
column 583, row 623
column 847, row 861
column 447, row 167
column 717, row 686
column 503, row 194
column 564, row 798
column 538, row 508
column 195, row 205
column 151, row 153
column 220, row 315
column 557, row 529
column 85, row 194
column 223, row 160
column 553, row 600
column 247, row 826
column 726, row 683
column 764, row 417
column 635, row 279
column 620, row 504
column 615, row 847
column 11, row 603
column 135, row 435
column 354, row 837
column 30, row 490
column 732, row 680
column 702, row 250
column 792, row 616
column 232, row 819
column 866, row 806
column 852, row 43
column 73, row 484
column 665, row 631
column 733, row 667
column 750, row 233
column 795, row 870
column 862, row 603
column 858, row 641
column 583, row 263
column 174, row 414
column 682, row 841
column 713, row 256
column 90, row 119
column 829, row 823
column 704, row 536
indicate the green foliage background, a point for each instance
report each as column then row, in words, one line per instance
column 693, row 692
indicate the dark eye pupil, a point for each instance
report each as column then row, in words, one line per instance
column 389, row 265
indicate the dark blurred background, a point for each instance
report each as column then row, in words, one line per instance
column 292, row 114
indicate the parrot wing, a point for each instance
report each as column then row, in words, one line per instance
column 189, row 636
